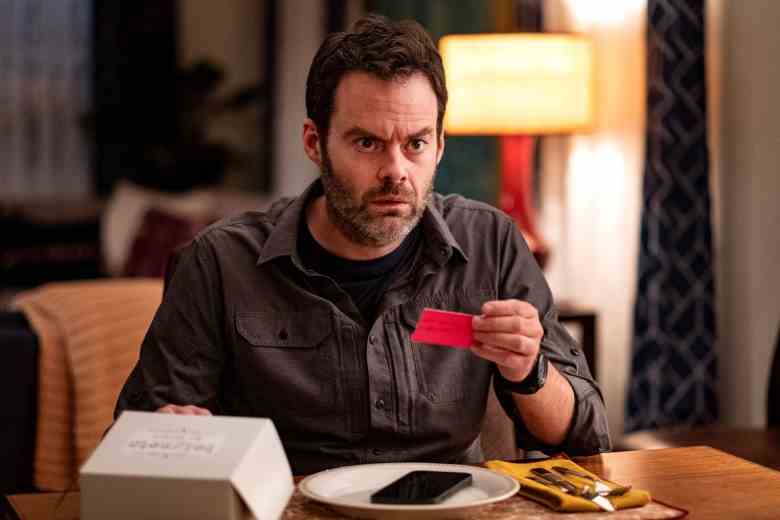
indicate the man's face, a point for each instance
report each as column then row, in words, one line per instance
column 380, row 158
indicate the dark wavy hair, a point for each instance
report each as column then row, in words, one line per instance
column 379, row 46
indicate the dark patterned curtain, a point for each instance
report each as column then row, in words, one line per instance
column 45, row 61
column 674, row 366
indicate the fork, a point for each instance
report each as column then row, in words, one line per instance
column 570, row 487
column 601, row 488
column 586, row 492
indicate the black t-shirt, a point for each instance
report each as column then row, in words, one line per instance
column 364, row 280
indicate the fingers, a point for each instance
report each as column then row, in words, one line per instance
column 509, row 334
column 511, row 324
column 509, row 308
column 513, row 366
column 498, row 356
column 183, row 410
column 513, row 343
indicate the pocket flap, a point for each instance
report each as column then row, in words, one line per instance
column 469, row 302
column 410, row 313
column 290, row 330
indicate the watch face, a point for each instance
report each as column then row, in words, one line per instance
column 541, row 364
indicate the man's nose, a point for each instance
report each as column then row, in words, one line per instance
column 394, row 167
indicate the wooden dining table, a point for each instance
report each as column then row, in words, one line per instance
column 705, row 482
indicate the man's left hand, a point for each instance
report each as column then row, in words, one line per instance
column 508, row 333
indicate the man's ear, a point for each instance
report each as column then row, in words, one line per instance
column 312, row 142
column 440, row 148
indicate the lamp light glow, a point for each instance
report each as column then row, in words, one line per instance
column 530, row 84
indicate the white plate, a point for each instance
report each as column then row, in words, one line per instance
column 348, row 490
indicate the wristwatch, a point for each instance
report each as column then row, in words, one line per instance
column 532, row 383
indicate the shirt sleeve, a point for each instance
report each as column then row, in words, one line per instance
column 522, row 279
column 182, row 354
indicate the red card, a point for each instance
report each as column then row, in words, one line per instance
column 451, row 329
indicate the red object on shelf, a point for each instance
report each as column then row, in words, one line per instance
column 517, row 191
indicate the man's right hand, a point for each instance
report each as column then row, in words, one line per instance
column 183, row 410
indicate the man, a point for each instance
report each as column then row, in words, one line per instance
column 304, row 313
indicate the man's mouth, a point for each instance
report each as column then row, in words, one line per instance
column 389, row 202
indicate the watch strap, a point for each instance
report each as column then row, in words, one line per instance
column 532, row 383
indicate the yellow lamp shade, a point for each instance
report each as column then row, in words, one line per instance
column 531, row 83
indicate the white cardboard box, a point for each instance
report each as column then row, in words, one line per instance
column 163, row 466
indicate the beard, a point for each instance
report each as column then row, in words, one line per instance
column 352, row 213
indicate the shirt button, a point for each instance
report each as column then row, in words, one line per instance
column 443, row 251
column 372, row 339
column 380, row 404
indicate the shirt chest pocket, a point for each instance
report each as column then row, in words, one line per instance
column 289, row 359
column 445, row 375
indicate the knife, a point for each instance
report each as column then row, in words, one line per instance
column 601, row 488
column 585, row 492
column 545, row 483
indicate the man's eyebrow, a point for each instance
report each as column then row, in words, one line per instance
column 428, row 130
column 357, row 131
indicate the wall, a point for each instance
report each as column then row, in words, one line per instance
column 231, row 34
column 592, row 188
column 301, row 30
column 750, row 186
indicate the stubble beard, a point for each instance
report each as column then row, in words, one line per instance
column 355, row 220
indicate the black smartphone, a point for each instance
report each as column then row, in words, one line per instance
column 422, row 487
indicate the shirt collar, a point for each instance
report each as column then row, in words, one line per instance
column 438, row 235
column 283, row 239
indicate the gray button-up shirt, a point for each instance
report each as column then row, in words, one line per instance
column 245, row 329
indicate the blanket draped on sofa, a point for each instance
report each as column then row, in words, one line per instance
column 89, row 334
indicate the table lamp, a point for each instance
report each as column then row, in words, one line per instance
column 517, row 86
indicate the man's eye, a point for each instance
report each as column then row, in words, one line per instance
column 366, row 143
column 417, row 145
